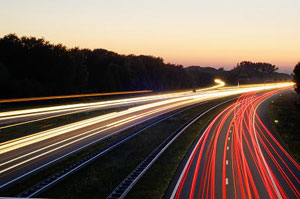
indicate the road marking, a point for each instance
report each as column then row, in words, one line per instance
column 227, row 148
column 226, row 181
column 228, row 138
column 226, row 162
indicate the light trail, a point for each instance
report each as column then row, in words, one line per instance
column 72, row 96
column 259, row 166
column 14, row 118
column 22, row 152
column 34, row 138
column 15, row 114
column 35, row 114
column 127, row 184
column 219, row 84
column 80, row 137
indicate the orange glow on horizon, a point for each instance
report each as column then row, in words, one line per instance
column 206, row 33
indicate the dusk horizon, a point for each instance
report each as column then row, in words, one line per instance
column 216, row 34
column 226, row 66
column 160, row 99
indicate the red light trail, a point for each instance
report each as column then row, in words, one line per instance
column 239, row 157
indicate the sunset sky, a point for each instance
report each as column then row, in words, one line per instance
column 201, row 32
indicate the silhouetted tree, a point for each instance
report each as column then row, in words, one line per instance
column 259, row 67
column 251, row 70
column 33, row 67
column 297, row 77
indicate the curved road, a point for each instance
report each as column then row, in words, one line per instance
column 238, row 156
column 22, row 156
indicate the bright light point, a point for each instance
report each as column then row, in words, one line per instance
column 220, row 82
column 276, row 121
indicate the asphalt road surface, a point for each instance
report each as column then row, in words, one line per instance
column 22, row 156
column 239, row 156
column 17, row 117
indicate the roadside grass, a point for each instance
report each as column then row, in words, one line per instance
column 154, row 184
column 286, row 110
column 21, row 130
column 98, row 179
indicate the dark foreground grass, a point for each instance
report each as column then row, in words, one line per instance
column 286, row 109
column 155, row 182
column 99, row 178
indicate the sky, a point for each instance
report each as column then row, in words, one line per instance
column 217, row 33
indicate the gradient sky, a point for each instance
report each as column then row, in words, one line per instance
column 189, row 32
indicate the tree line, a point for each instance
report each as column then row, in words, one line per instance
column 31, row 66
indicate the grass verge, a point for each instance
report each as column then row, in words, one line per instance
column 284, row 114
column 155, row 182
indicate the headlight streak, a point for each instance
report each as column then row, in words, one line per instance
column 79, row 106
column 85, row 134
column 72, row 96
column 31, row 139
column 27, row 140
column 259, row 166
column 9, row 115
column 113, row 120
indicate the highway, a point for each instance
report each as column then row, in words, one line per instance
column 23, row 156
column 17, row 117
column 239, row 156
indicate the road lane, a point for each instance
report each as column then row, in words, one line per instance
column 18, row 161
column 20, row 156
column 13, row 118
column 285, row 170
column 238, row 157
column 18, row 117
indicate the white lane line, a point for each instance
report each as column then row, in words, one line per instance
column 228, row 138
column 227, row 148
column 226, row 181
column 226, row 162
column 190, row 157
